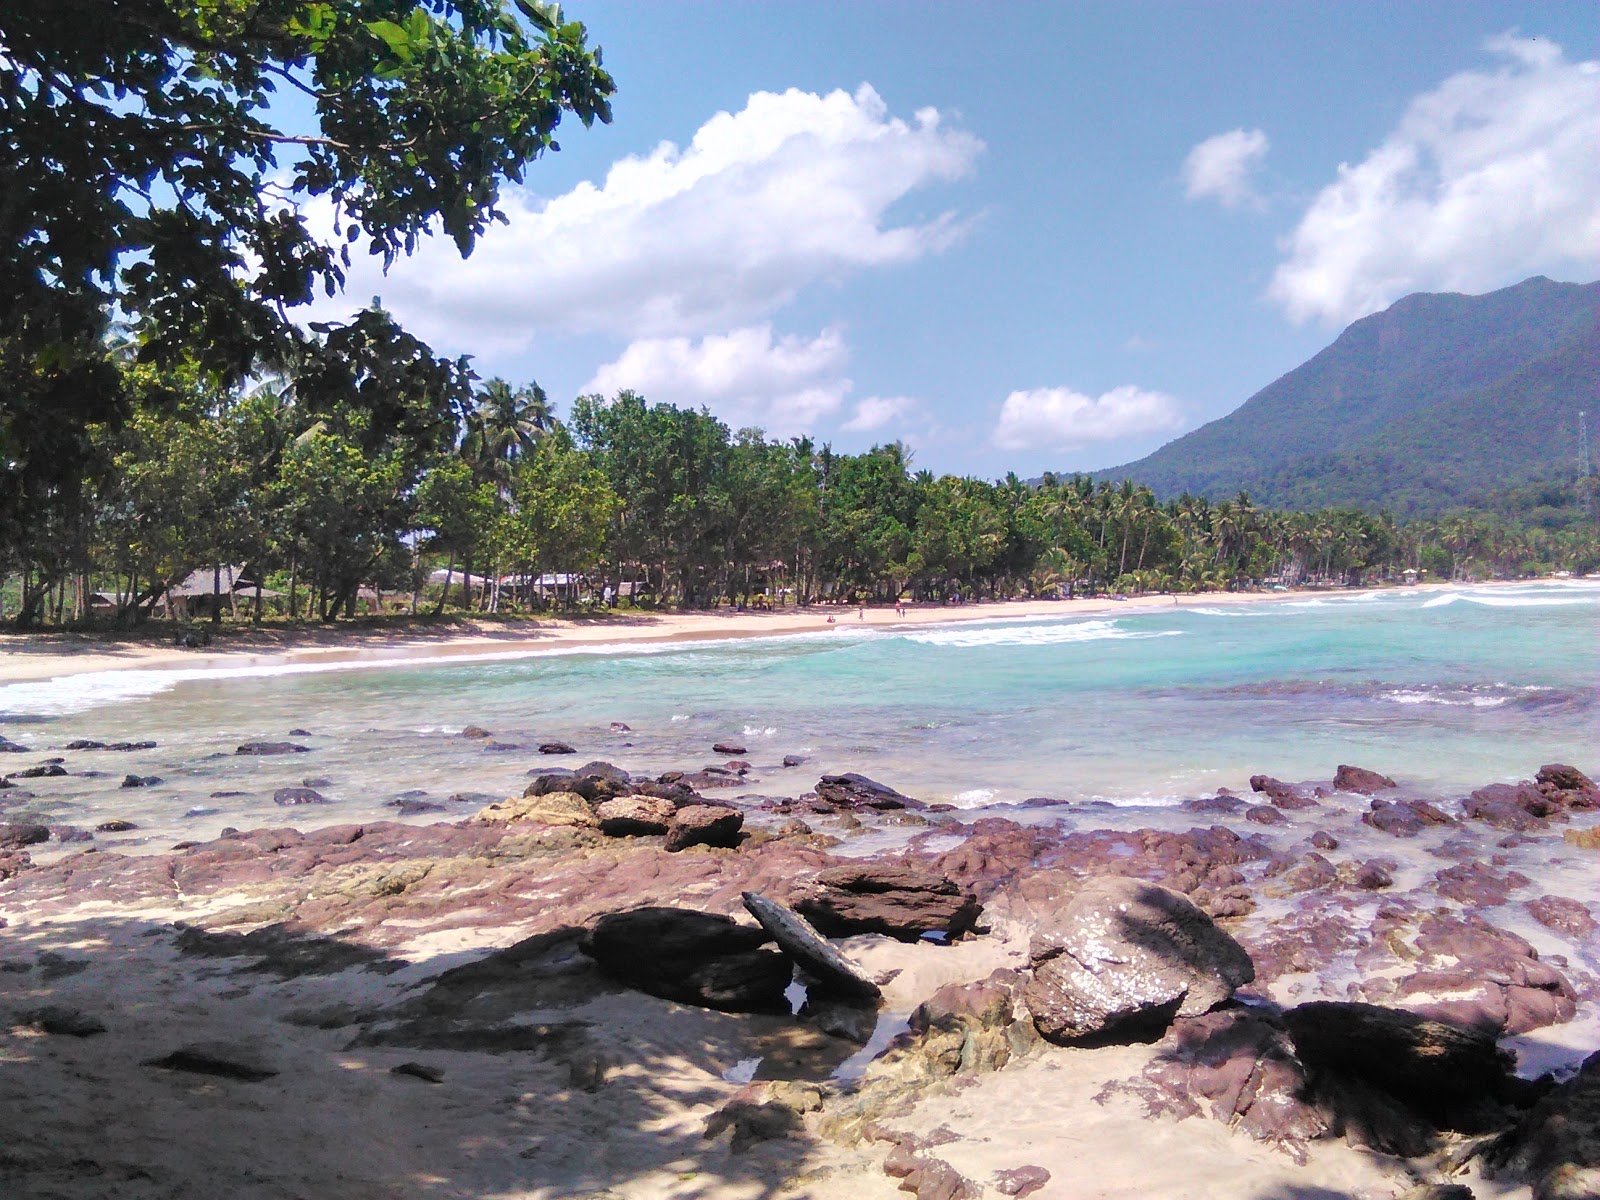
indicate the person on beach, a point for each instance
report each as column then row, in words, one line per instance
column 861, row 613
column 899, row 607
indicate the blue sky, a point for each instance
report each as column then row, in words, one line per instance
column 1019, row 237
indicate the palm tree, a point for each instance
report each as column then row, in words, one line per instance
column 505, row 424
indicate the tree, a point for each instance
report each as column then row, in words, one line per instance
column 147, row 171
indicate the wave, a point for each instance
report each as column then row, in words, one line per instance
column 1226, row 612
column 1036, row 635
column 1509, row 600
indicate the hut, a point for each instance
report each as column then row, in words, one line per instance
column 203, row 593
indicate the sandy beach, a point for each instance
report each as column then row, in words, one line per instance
column 50, row 656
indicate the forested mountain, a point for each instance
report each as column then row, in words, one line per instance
column 1430, row 405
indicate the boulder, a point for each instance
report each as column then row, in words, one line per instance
column 49, row 770
column 557, row 748
column 14, row 837
column 231, row 1060
column 704, row 825
column 732, row 749
column 1564, row 915
column 1284, row 795
column 857, row 791
column 290, row 796
column 1557, row 1145
column 139, row 781
column 62, row 1021
column 1404, row 818
column 902, row 902
column 691, row 957
column 475, row 731
column 793, row 760
column 597, row 781
column 635, row 816
column 115, row 826
column 1123, row 958
column 269, row 748
column 1264, row 814
column 1358, row 779
column 831, row 970
column 1569, row 785
column 547, row 808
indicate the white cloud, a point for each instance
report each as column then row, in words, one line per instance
column 793, row 189
column 1493, row 176
column 875, row 412
column 746, row 377
column 1062, row 419
column 1221, row 167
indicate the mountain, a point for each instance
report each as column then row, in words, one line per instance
column 1431, row 404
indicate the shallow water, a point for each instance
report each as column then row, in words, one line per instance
column 1445, row 690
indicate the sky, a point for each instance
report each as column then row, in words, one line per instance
column 1017, row 237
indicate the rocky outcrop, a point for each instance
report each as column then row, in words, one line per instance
column 1284, row 795
column 691, row 957
column 544, row 808
column 901, row 901
column 704, row 825
column 1360, row 780
column 635, row 816
column 857, row 791
column 1122, row 958
column 1557, row 1145
column 290, row 797
column 1404, row 818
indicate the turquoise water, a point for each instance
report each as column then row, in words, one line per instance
column 1445, row 690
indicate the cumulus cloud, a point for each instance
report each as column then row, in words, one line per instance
column 747, row 377
column 1221, row 168
column 792, row 189
column 1062, row 419
column 1492, row 176
column 875, row 412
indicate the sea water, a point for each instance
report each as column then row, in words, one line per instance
column 1445, row 690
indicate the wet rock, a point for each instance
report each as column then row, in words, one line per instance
column 704, row 825
column 545, row 808
column 70, row 833
column 557, row 748
column 832, row 971
column 423, row 1071
column 902, row 902
column 1218, row 805
column 139, row 781
column 1564, row 915
column 857, row 791
column 1122, row 958
column 1284, row 795
column 1569, row 785
column 1557, row 1145
column 7, row 746
column 1369, row 876
column 597, row 781
column 115, row 826
column 692, row 958
column 1310, row 873
column 793, row 760
column 635, row 816
column 84, row 744
column 1439, row 1191
column 50, row 770
column 1404, row 818
column 475, row 731
column 62, row 1021
column 409, row 807
column 1478, row 886
column 732, row 749
column 1265, row 814
column 1360, row 780
column 271, row 748
column 1020, row 1181
column 1519, row 807
column 621, row 727
column 291, row 796
column 126, row 746
column 14, row 837
column 1323, row 840
column 231, row 1060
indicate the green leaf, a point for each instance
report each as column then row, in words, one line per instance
column 545, row 15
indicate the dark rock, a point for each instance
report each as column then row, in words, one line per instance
column 52, row 770
column 597, row 781
column 60, row 1020
column 1570, row 786
column 84, row 744
column 1401, row 818
column 494, row 747
column 752, row 1123
column 70, row 833
column 635, row 816
column 793, row 760
column 475, row 731
column 691, row 957
column 1478, row 886
column 126, row 746
column 732, row 749
column 1123, row 957
column 321, row 781
column 1284, row 795
column 1219, row 804
column 1361, row 780
column 1439, row 1191
column 1370, row 876
column 1310, row 873
column 545, row 781
column 115, row 826
column 1323, row 840
column 411, row 808
column 902, row 902
column 1265, row 814
column 300, row 733
column 556, row 748
column 1020, row 1181
column 268, row 748
column 7, row 746
column 703, row 825
column 291, row 796
column 424, row 1071
column 139, row 781
column 1557, row 1145
column 832, row 971
column 1563, row 915
column 621, row 727
column 15, row 836
column 857, row 791
column 227, row 1059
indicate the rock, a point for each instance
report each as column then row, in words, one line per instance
column 268, row 748
column 752, row 1123
column 621, row 727
column 1557, row 1145
column 1399, row 819
column 1476, row 885
column 548, row 808
column 1520, row 807
column 934, row 1179
column 557, row 779
column 1265, row 814
column 84, row 744
column 902, row 902
column 7, row 746
column 635, row 816
column 1323, row 840
column 556, row 748
column 1573, row 788
column 139, row 781
column 1451, row 1075
column 1020, row 1181
column 831, row 970
column 1563, row 915
column 290, row 796
column 1123, row 957
column 691, row 957
column 14, row 837
column 793, row 760
column 1284, row 795
column 231, row 1060
column 857, row 791
column 1361, row 780
column 51, row 770
column 597, row 781
column 704, row 825
column 411, row 808
column 1371, row 876
column 60, row 1020
column 126, row 746
column 424, row 1071
column 299, row 733
column 115, row 826
column 475, row 731
column 1583, row 839
column 1439, row 1191
column 731, row 749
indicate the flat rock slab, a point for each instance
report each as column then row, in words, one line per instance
column 230, row 1060
column 815, row 956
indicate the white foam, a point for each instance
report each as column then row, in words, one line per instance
column 1226, row 612
column 973, row 798
column 1404, row 696
column 1509, row 600
column 760, row 730
column 1036, row 635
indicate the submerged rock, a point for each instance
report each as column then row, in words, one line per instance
column 271, row 748
column 1122, row 958
column 1359, row 779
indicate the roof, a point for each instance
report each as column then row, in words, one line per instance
column 204, row 582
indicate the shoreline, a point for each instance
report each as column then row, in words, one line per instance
column 38, row 657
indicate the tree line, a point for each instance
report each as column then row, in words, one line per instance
column 377, row 475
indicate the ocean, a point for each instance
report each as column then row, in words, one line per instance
column 1445, row 690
